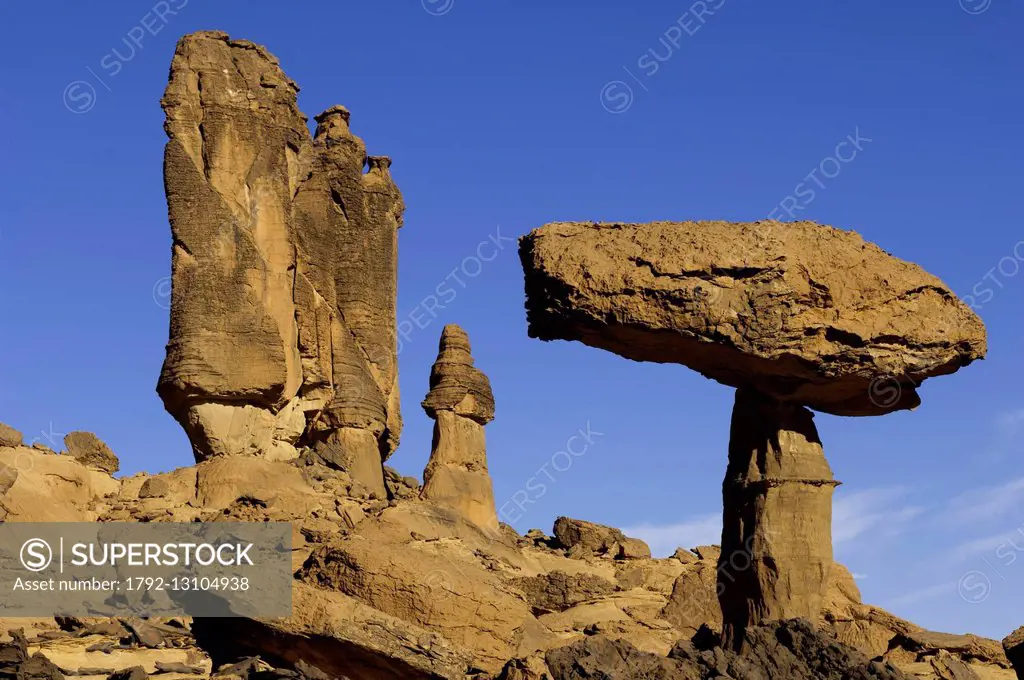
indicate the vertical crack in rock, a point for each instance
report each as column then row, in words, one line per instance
column 284, row 270
column 461, row 403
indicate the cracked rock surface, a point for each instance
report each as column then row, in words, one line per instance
column 798, row 311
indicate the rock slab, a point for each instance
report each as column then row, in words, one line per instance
column 799, row 311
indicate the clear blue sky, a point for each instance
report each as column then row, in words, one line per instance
column 497, row 113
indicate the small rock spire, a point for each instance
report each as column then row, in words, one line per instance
column 461, row 402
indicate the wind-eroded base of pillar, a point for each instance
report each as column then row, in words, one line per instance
column 357, row 452
column 777, row 519
column 456, row 476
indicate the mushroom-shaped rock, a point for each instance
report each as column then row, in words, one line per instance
column 798, row 311
column 461, row 403
column 794, row 315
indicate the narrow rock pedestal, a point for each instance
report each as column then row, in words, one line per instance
column 461, row 402
column 777, row 518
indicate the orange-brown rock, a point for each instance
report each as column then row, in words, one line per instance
column 1013, row 645
column 283, row 268
column 777, row 524
column 799, row 311
column 461, row 403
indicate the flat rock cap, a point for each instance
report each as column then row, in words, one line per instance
column 799, row 311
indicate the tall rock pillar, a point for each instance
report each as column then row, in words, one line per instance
column 284, row 268
column 461, row 403
column 777, row 521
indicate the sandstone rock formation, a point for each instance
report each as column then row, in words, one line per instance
column 793, row 650
column 777, row 527
column 9, row 436
column 461, row 403
column 406, row 589
column 1013, row 644
column 283, row 268
column 799, row 311
column 90, row 450
column 580, row 537
column 794, row 316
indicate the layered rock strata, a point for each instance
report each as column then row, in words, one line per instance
column 461, row 403
column 799, row 311
column 284, row 259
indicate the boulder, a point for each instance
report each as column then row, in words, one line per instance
column 1013, row 645
column 284, row 266
column 461, row 403
column 580, row 537
column 945, row 656
column 799, row 311
column 88, row 449
column 557, row 591
column 9, row 436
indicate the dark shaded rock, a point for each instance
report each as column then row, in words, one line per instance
column 791, row 650
column 1013, row 644
column 177, row 667
column 557, row 591
column 154, row 487
column 145, row 634
column 90, row 450
column 133, row 673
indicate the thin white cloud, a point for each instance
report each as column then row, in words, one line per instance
column 991, row 547
column 664, row 539
column 873, row 512
column 1011, row 422
column 923, row 595
column 987, row 503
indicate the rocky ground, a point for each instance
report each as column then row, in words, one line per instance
column 399, row 587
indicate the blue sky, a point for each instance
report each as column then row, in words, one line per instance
column 502, row 116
